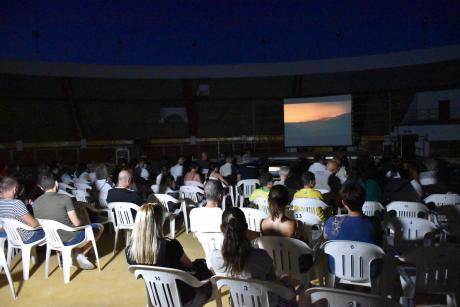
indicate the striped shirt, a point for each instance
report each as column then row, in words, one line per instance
column 15, row 209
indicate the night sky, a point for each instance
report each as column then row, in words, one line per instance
column 220, row 32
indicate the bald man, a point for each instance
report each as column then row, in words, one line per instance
column 122, row 192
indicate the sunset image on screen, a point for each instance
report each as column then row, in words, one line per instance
column 320, row 121
column 305, row 112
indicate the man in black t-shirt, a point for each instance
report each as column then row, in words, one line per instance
column 122, row 193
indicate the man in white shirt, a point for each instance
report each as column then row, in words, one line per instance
column 209, row 217
column 317, row 166
column 178, row 169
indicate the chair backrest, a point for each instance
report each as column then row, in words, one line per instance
column 155, row 188
column 165, row 199
column 285, row 253
column 193, row 183
column 309, row 219
column 253, row 218
column 407, row 232
column 161, row 283
column 250, row 292
column 344, row 298
column 81, row 195
column 407, row 208
column 11, row 227
column 428, row 178
column 370, row 207
column 193, row 193
column 247, row 187
column 352, row 259
column 321, row 178
column 210, row 241
column 66, row 193
column 444, row 199
column 51, row 228
column 123, row 214
column 262, row 204
column 437, row 269
column 308, row 205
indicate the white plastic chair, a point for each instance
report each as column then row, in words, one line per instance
column 262, row 204
column 352, row 261
column 15, row 242
column 253, row 218
column 244, row 189
column 250, row 292
column 81, row 195
column 4, row 265
column 164, row 199
column 193, row 183
column 123, row 219
column 155, row 188
column 344, row 298
column 65, row 186
column 191, row 193
column 407, row 208
column 323, row 191
column 370, row 207
column 309, row 205
column 161, row 284
column 66, row 193
column 444, row 199
column 437, row 271
column 54, row 242
column 404, row 233
column 82, row 186
column 210, row 241
column 322, row 178
column 312, row 225
column 285, row 253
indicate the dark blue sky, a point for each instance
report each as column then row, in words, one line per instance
column 219, row 32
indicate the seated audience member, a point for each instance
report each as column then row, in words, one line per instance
column 58, row 207
column 334, row 182
column 167, row 185
column 355, row 226
column 308, row 191
column 228, row 170
column 394, row 171
column 283, row 173
column 82, row 172
column 238, row 257
column 193, row 174
column 211, row 212
column 13, row 208
column 266, row 182
column 141, row 170
column 277, row 223
column 247, row 169
column 365, row 175
column 204, row 163
column 215, row 175
column 404, row 188
column 177, row 171
column 103, row 184
column 342, row 172
column 317, row 166
column 164, row 170
column 122, row 192
column 148, row 246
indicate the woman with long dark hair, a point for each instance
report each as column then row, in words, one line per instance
column 238, row 257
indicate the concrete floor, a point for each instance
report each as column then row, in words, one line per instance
column 113, row 286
